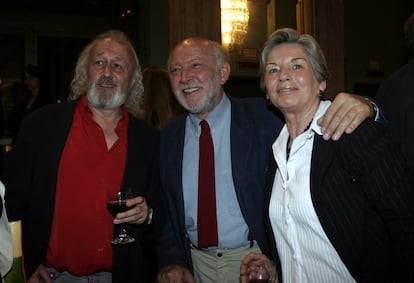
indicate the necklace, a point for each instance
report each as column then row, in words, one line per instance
column 288, row 141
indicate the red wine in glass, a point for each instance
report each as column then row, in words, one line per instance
column 116, row 203
column 116, row 206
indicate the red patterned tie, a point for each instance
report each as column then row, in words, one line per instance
column 206, row 214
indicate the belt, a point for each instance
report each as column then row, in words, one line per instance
column 251, row 245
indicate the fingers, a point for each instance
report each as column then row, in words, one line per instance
column 244, row 278
column 175, row 274
column 338, row 124
column 40, row 273
column 138, row 213
column 33, row 279
column 254, row 260
column 344, row 115
column 249, row 262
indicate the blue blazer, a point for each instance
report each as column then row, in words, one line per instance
column 253, row 130
column 364, row 198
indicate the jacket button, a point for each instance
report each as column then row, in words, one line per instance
column 353, row 180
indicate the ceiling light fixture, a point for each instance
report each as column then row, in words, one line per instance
column 234, row 23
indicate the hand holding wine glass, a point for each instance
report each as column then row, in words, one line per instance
column 116, row 203
column 259, row 274
column 256, row 267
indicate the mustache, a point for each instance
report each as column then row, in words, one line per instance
column 106, row 82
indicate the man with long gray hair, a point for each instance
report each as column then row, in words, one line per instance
column 69, row 157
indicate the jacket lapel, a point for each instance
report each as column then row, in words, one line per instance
column 172, row 157
column 319, row 166
column 240, row 129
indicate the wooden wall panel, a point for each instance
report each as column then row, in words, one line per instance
column 329, row 30
column 324, row 19
column 194, row 18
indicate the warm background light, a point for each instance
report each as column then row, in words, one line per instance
column 234, row 22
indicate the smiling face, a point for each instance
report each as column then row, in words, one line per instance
column 196, row 79
column 109, row 74
column 290, row 81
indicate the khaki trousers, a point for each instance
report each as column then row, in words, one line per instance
column 220, row 265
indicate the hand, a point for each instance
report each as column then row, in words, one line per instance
column 40, row 273
column 138, row 214
column 345, row 114
column 176, row 274
column 254, row 260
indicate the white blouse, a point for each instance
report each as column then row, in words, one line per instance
column 305, row 251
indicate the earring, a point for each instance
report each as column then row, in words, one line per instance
column 321, row 94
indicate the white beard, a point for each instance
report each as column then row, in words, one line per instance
column 105, row 98
column 207, row 103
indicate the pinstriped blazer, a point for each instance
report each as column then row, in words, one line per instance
column 364, row 198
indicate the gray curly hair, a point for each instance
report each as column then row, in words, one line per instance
column 79, row 82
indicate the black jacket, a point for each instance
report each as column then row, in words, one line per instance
column 30, row 179
column 364, row 200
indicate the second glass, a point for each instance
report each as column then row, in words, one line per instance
column 259, row 274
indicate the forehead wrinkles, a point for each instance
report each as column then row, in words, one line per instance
column 114, row 48
column 189, row 53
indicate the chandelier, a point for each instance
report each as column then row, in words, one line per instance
column 234, row 22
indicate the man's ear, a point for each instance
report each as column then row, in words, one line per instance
column 225, row 73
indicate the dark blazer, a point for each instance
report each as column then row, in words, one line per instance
column 362, row 196
column 31, row 174
column 396, row 98
column 253, row 129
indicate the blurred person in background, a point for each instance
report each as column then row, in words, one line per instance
column 36, row 86
column 34, row 95
column 396, row 98
column 160, row 105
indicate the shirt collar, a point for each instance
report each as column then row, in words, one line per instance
column 323, row 106
column 213, row 117
column 86, row 112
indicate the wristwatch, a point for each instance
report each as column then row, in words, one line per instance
column 149, row 218
column 374, row 107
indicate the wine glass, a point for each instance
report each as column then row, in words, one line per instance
column 116, row 203
column 259, row 274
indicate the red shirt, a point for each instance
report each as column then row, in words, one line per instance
column 82, row 228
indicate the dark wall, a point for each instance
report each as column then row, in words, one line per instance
column 374, row 45
column 153, row 42
column 243, row 87
column 374, row 42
